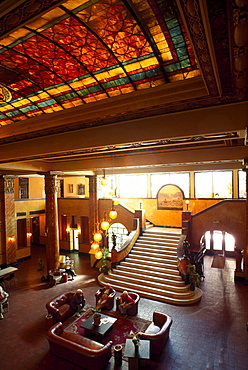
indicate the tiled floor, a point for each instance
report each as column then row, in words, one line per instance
column 208, row 335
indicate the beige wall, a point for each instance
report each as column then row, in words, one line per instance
column 72, row 183
column 36, row 187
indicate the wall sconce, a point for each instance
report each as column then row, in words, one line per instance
column 68, row 229
column 187, row 204
column 29, row 235
column 11, row 238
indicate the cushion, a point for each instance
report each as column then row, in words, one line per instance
column 85, row 342
column 63, row 309
column 152, row 329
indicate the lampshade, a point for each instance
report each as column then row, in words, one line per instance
column 94, row 247
column 97, row 237
column 113, row 214
column 104, row 181
column 98, row 255
column 104, row 225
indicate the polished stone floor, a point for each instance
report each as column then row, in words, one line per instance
column 208, row 335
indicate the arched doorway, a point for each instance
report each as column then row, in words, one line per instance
column 219, row 242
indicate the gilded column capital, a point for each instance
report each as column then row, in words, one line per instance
column 51, row 184
column 9, row 185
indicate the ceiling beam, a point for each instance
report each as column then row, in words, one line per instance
column 226, row 118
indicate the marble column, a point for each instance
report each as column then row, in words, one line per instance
column 245, row 253
column 52, row 229
column 8, row 225
column 93, row 209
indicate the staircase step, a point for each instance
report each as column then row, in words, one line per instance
column 159, row 242
column 153, row 282
column 141, row 266
column 134, row 285
column 162, row 252
column 165, row 248
column 154, row 256
column 153, row 272
column 150, row 262
column 178, row 299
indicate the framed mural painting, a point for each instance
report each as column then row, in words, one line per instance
column 170, row 197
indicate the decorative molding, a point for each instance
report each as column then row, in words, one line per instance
column 8, row 185
column 240, row 47
column 52, row 184
column 193, row 17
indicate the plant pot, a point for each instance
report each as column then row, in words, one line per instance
column 97, row 319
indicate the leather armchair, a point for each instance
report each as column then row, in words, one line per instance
column 134, row 308
column 158, row 332
column 110, row 300
column 59, row 307
column 80, row 350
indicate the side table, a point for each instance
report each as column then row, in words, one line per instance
column 134, row 356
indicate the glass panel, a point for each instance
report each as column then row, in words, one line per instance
column 242, row 184
column 217, row 240
column 222, row 184
column 203, row 185
column 229, row 242
column 133, row 186
column 207, row 240
column 213, row 184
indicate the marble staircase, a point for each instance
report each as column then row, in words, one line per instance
column 151, row 270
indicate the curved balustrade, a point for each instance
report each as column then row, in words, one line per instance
column 117, row 256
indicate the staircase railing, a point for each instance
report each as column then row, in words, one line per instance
column 117, row 256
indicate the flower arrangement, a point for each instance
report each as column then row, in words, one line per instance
column 135, row 336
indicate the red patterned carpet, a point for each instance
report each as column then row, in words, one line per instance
column 117, row 334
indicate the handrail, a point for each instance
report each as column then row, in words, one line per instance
column 117, row 256
column 180, row 250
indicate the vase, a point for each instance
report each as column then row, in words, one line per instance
column 136, row 344
column 97, row 320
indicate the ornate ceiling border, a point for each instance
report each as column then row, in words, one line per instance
column 24, row 13
column 191, row 10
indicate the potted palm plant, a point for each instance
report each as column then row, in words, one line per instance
column 41, row 268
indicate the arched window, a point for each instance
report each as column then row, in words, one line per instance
column 120, row 235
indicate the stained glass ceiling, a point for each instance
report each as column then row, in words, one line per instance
column 85, row 51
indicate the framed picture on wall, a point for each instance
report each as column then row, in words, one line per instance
column 70, row 188
column 170, row 197
column 81, row 189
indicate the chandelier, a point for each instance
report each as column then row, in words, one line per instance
column 101, row 233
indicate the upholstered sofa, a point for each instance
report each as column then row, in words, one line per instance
column 59, row 307
column 80, row 350
column 158, row 332
column 110, row 300
column 134, row 308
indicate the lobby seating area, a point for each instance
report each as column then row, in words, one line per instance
column 210, row 334
column 110, row 300
column 78, row 349
column 158, row 332
column 59, row 307
column 134, row 307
